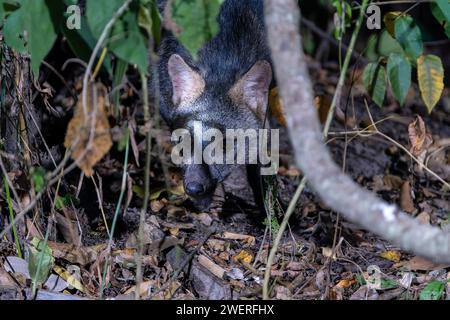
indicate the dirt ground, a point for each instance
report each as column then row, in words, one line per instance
column 209, row 255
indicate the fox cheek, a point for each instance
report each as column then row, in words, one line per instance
column 253, row 88
column 187, row 84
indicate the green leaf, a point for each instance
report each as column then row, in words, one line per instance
column 388, row 45
column 197, row 21
column 2, row 14
column 388, row 284
column 145, row 20
column 66, row 201
column 38, row 178
column 120, row 70
column 441, row 11
column 128, row 43
column 409, row 36
column 156, row 22
column 399, row 73
column 40, row 261
column 430, row 74
column 30, row 29
column 125, row 39
column 433, row 291
column 6, row 7
column 123, row 141
column 389, row 21
column 374, row 79
column 371, row 51
column 99, row 13
column 82, row 42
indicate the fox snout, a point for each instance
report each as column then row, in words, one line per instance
column 199, row 184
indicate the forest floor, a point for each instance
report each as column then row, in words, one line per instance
column 203, row 255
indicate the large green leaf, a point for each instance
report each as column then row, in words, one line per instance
column 374, row 79
column 399, row 73
column 2, row 14
column 409, row 36
column 197, row 22
column 82, row 42
column 433, row 291
column 150, row 19
column 388, row 45
column 30, row 29
column 441, row 11
column 6, row 7
column 40, row 260
column 128, row 43
column 125, row 40
column 99, row 13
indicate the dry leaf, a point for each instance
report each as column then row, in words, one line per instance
column 157, row 205
column 70, row 279
column 418, row 137
column 216, row 245
column 204, row 218
column 406, row 201
column 214, row 268
column 276, row 107
column 79, row 130
column 421, row 264
column 424, row 217
column 75, row 254
column 328, row 253
column 144, row 288
column 68, row 228
column 249, row 240
column 393, row 182
column 323, row 105
column 291, row 172
column 391, row 255
column 244, row 256
column 345, row 283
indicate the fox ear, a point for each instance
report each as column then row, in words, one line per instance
column 253, row 88
column 187, row 84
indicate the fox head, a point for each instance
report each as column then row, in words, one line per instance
column 239, row 103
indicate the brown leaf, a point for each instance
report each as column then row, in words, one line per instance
column 406, row 201
column 424, row 217
column 249, row 240
column 75, row 254
column 419, row 138
column 79, row 130
column 393, row 182
column 345, row 283
column 276, row 107
column 68, row 228
column 214, row 268
column 421, row 264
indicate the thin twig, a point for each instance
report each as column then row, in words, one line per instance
column 148, row 143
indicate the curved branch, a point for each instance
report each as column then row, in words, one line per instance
column 336, row 189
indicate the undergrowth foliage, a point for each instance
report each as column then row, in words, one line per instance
column 395, row 67
column 32, row 27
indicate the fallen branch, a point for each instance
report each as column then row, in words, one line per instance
column 336, row 189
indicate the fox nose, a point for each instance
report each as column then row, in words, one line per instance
column 195, row 189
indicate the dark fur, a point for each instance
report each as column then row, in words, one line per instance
column 240, row 43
